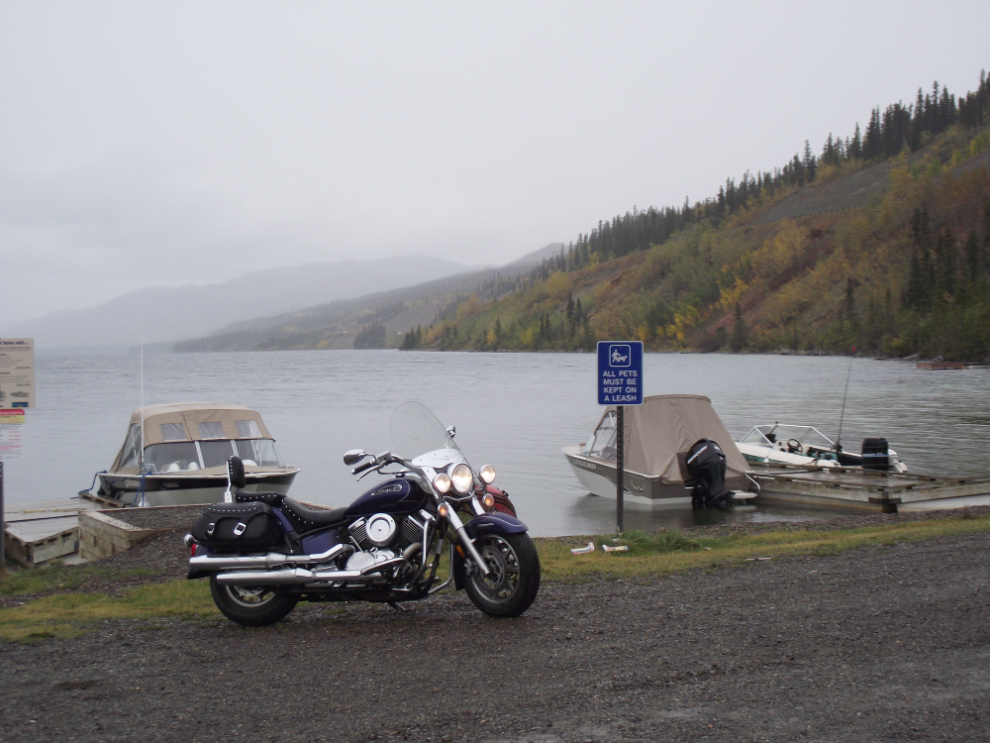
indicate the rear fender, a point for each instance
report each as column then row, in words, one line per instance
column 193, row 572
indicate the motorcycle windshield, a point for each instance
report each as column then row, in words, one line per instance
column 416, row 430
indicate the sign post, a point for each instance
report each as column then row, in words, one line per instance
column 3, row 529
column 16, row 395
column 620, row 383
column 11, row 448
column 17, row 373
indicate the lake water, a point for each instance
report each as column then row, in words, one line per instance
column 514, row 411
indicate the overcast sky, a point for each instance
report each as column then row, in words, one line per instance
column 189, row 142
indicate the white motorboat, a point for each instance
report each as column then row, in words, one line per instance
column 805, row 446
column 177, row 454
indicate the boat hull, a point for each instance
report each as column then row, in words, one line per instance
column 601, row 478
column 187, row 489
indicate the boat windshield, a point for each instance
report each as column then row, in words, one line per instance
column 416, row 431
column 189, row 456
column 602, row 444
column 175, row 457
column 772, row 435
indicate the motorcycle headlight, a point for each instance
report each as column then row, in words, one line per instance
column 442, row 483
column 487, row 473
column 462, row 478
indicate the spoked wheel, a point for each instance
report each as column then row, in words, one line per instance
column 249, row 605
column 514, row 575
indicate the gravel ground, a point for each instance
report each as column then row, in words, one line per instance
column 166, row 517
column 878, row 644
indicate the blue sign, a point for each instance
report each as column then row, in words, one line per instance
column 620, row 372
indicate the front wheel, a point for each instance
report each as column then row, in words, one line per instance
column 251, row 607
column 514, row 575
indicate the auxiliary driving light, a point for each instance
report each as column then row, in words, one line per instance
column 442, row 483
column 487, row 473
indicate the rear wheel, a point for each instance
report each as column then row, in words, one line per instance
column 513, row 579
column 251, row 606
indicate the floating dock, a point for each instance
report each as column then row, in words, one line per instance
column 887, row 492
column 947, row 365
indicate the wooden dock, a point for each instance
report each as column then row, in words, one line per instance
column 81, row 528
column 44, row 530
column 888, row 492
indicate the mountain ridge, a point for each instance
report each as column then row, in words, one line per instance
column 174, row 313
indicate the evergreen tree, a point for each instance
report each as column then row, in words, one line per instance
column 915, row 295
column 947, row 261
column 850, row 306
column 855, row 148
column 810, row 164
column 739, row 340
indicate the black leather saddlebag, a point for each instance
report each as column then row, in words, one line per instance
column 238, row 526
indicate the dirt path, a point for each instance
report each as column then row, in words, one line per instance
column 882, row 644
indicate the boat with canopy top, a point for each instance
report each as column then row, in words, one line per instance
column 657, row 438
column 176, row 454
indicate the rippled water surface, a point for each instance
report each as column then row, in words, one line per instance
column 514, row 411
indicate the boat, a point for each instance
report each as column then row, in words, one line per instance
column 176, row 454
column 780, row 444
column 656, row 439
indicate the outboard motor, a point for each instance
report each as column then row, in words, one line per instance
column 706, row 464
column 876, row 455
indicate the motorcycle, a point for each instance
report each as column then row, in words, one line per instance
column 265, row 552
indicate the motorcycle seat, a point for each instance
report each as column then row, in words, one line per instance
column 272, row 499
column 306, row 519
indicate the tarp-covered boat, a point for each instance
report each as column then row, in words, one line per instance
column 657, row 437
column 177, row 453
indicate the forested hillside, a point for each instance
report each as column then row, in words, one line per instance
column 879, row 242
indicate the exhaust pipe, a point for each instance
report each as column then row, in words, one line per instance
column 271, row 560
column 292, row 576
column 265, row 577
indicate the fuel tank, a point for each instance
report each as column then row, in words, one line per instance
column 397, row 497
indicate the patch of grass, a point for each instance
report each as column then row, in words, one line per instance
column 67, row 615
column 58, row 577
column 669, row 551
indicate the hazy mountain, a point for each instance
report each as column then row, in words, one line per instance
column 535, row 258
column 172, row 313
column 334, row 324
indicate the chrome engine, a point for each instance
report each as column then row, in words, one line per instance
column 379, row 532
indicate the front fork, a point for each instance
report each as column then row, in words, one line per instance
column 466, row 542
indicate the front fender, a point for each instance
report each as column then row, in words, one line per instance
column 497, row 522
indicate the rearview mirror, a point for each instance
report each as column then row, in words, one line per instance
column 354, row 456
